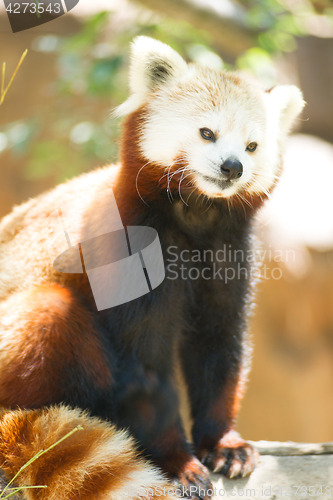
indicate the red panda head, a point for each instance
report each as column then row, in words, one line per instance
column 223, row 134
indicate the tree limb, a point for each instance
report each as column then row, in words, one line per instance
column 227, row 27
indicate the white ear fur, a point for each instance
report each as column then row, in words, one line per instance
column 286, row 102
column 153, row 63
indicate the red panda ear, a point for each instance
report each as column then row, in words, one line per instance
column 153, row 64
column 285, row 102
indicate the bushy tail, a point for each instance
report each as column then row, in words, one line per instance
column 98, row 462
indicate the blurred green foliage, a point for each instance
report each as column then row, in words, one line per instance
column 92, row 74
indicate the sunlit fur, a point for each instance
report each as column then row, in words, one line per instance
column 56, row 348
column 181, row 98
column 97, row 462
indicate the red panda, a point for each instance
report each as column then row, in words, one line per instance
column 201, row 150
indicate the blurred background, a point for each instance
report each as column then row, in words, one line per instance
column 56, row 123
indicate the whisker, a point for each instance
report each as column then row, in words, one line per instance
column 211, row 203
column 241, row 198
column 245, row 200
column 179, row 185
column 189, row 196
column 167, row 169
column 136, row 182
column 229, row 209
column 263, row 189
column 169, row 177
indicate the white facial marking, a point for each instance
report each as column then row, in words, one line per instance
column 181, row 99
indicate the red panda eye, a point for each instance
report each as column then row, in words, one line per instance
column 207, row 134
column 251, row 147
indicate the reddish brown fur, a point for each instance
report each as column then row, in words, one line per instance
column 174, row 457
column 46, row 323
column 224, row 409
column 180, row 463
column 139, row 175
column 220, row 449
column 51, row 349
column 132, row 161
column 90, row 465
column 227, row 405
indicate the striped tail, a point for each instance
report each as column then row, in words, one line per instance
column 98, row 462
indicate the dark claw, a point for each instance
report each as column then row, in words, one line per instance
column 232, row 457
column 193, row 481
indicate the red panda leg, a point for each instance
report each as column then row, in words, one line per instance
column 50, row 351
column 215, row 392
column 96, row 462
column 149, row 409
column 221, row 448
column 173, row 455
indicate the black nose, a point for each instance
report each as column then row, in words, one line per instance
column 232, row 169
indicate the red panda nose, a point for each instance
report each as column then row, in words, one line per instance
column 232, row 169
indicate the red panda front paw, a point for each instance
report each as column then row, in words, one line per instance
column 193, row 481
column 232, row 456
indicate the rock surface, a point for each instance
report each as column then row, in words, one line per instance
column 286, row 471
